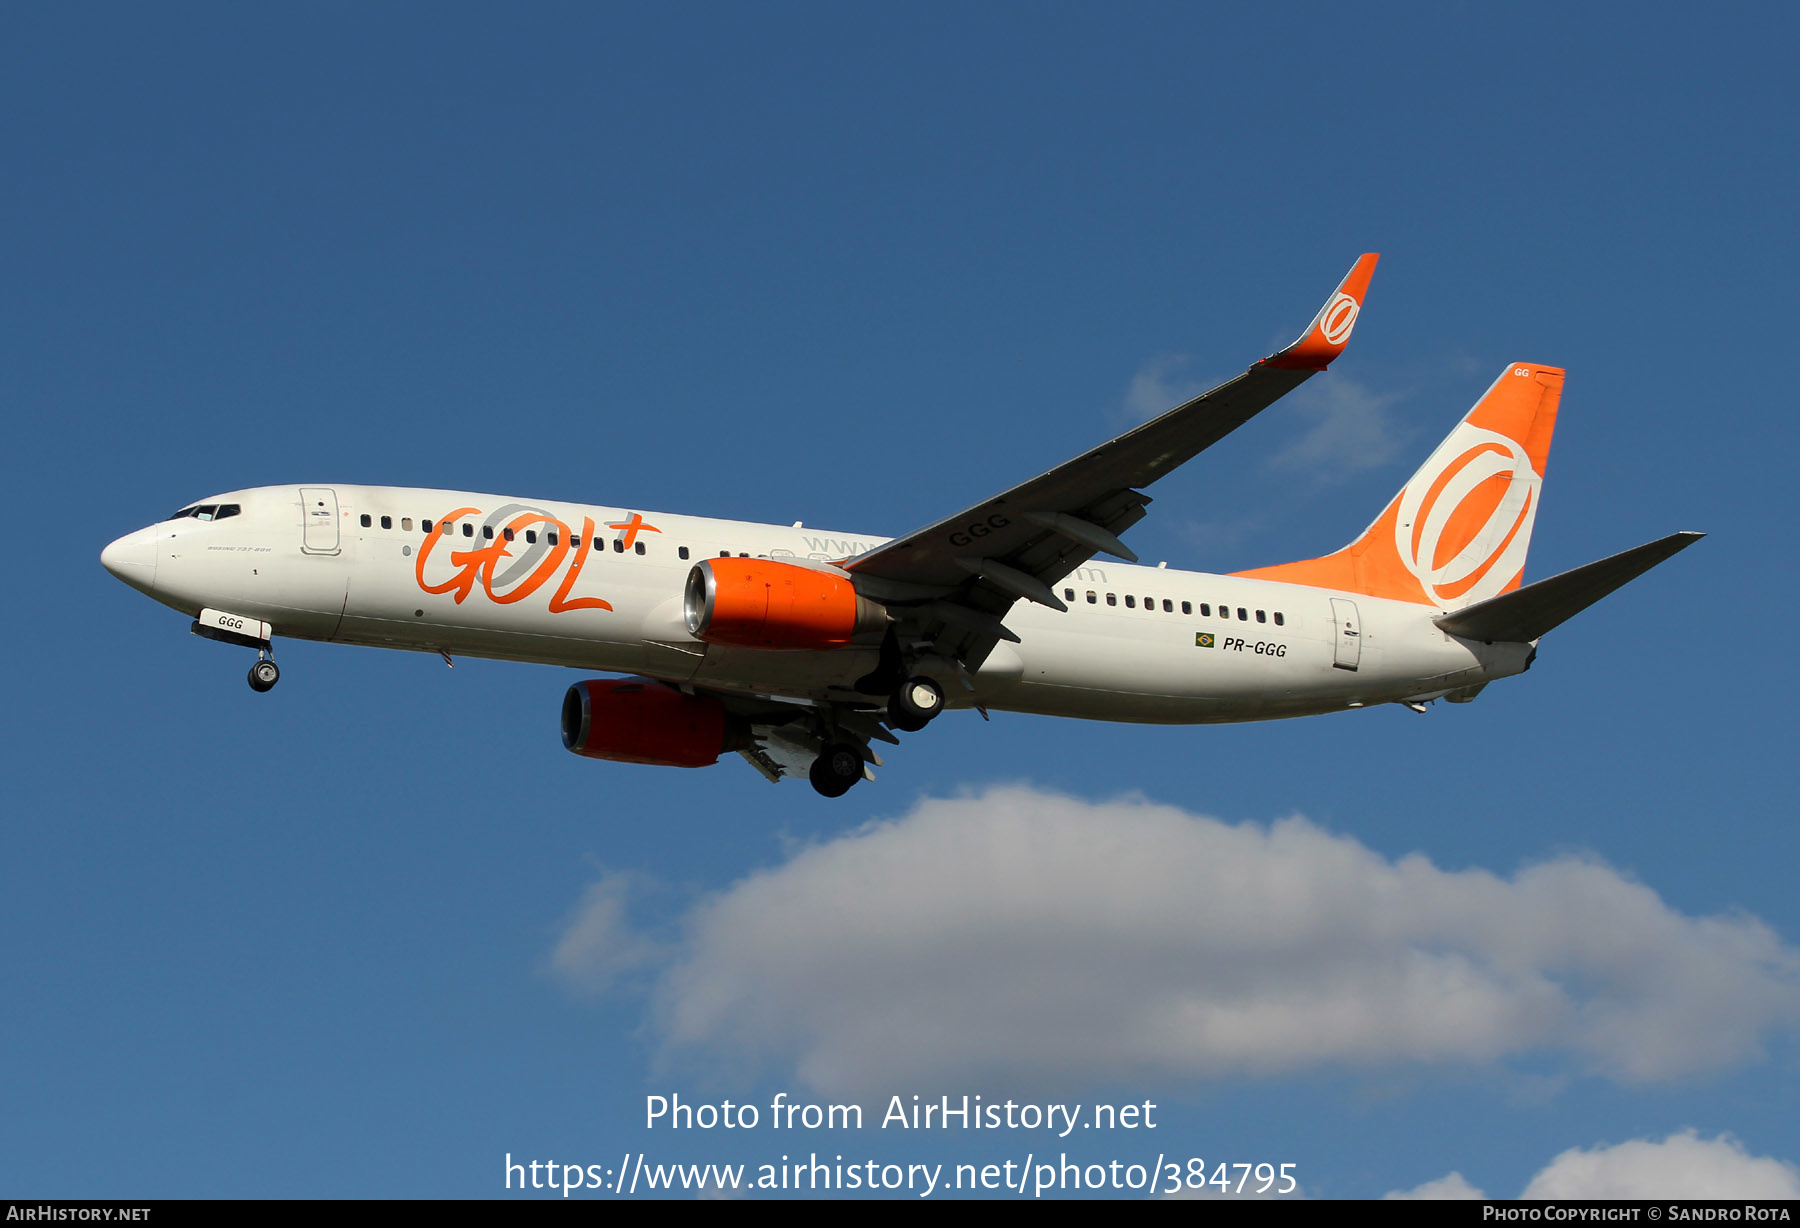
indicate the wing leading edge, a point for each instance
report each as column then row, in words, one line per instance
column 961, row 575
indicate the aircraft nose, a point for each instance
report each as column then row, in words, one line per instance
column 133, row 559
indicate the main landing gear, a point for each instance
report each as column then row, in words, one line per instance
column 839, row 765
column 913, row 699
column 911, row 707
column 914, row 703
column 264, row 674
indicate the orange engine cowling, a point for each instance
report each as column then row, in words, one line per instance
column 759, row 603
column 637, row 720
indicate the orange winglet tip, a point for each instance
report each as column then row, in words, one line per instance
column 1328, row 334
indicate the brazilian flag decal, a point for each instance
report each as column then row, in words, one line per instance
column 1203, row 639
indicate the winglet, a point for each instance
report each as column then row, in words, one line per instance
column 1328, row 334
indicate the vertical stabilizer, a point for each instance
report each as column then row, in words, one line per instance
column 1458, row 530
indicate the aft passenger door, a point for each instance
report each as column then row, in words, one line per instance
column 319, row 520
column 1347, row 635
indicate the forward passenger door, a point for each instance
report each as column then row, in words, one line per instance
column 319, row 520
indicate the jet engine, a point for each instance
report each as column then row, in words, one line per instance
column 637, row 720
column 759, row 603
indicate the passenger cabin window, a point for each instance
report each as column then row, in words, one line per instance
column 1068, row 594
column 406, row 524
column 574, row 541
column 507, row 534
column 618, row 545
column 1111, row 599
column 1149, row 603
column 487, row 531
column 1243, row 615
column 1168, row 606
column 468, row 529
column 1279, row 621
column 1261, row 617
column 1205, row 610
column 639, row 547
column 366, row 522
column 425, row 526
column 682, row 552
column 1187, row 607
column 387, row 522
column 550, row 536
column 1092, row 597
column 1130, row 602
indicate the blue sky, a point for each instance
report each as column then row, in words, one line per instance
column 370, row 933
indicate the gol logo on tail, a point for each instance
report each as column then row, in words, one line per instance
column 507, row 578
column 1465, row 519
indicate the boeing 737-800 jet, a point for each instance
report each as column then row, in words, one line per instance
column 798, row 649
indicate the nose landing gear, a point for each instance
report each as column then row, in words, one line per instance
column 245, row 632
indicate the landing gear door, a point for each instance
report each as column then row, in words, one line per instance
column 1348, row 634
column 319, row 520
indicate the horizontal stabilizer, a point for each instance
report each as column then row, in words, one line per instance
column 1526, row 613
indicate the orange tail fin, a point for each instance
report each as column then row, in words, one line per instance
column 1458, row 531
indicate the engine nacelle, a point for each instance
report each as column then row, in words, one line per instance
column 759, row 603
column 637, row 720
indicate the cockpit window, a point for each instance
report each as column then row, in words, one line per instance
column 208, row 511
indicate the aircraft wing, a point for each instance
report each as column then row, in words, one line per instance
column 961, row 575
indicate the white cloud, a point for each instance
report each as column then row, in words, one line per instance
column 1681, row 1166
column 1014, row 937
column 1351, row 429
column 1444, row 1189
column 1160, row 385
column 1223, row 534
column 1348, row 426
column 598, row 944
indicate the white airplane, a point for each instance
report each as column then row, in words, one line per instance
column 798, row 648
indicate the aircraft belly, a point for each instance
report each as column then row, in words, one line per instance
column 1194, row 672
column 784, row 672
column 1171, row 662
column 1052, row 699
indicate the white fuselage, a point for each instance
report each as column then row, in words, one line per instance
column 343, row 564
